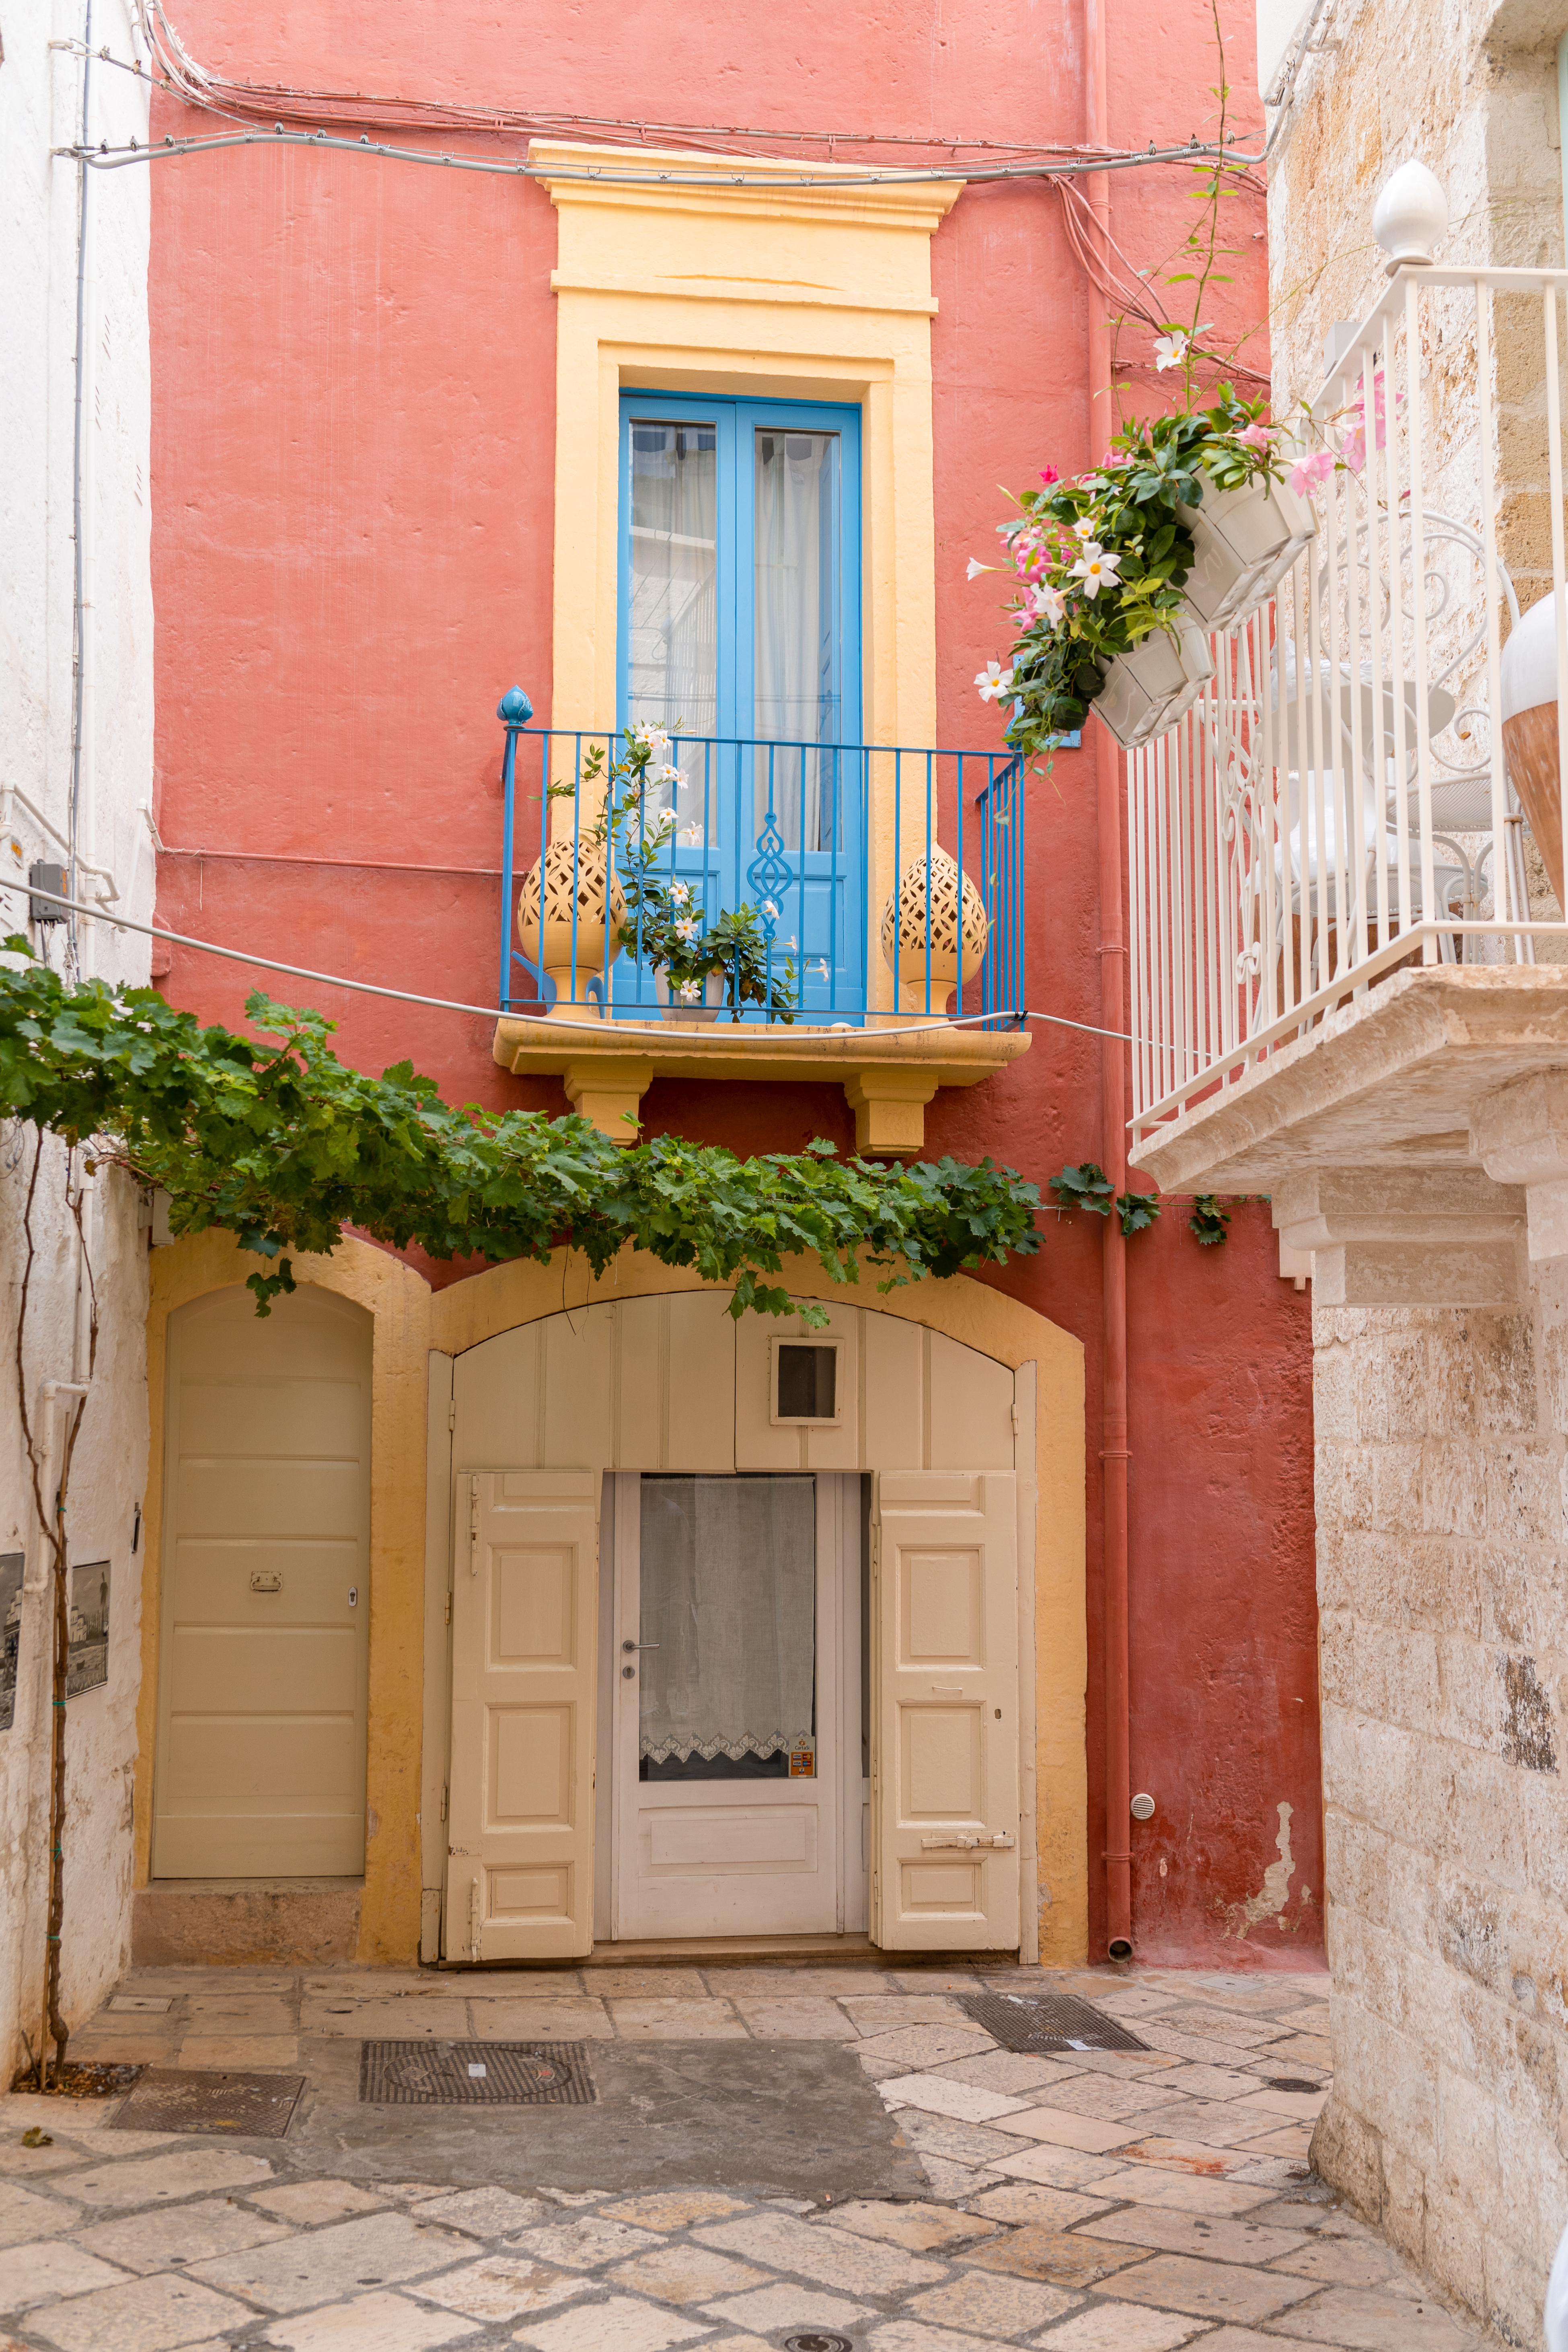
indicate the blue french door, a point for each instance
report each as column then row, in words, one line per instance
column 739, row 627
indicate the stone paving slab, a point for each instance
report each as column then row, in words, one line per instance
column 629, row 2227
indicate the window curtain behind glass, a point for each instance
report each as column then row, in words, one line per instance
column 673, row 639
column 729, row 1594
column 798, row 690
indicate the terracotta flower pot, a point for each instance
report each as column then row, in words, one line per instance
column 1530, row 731
column 960, row 931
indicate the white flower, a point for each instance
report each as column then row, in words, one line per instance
column 1097, row 568
column 690, row 836
column 822, row 968
column 1085, row 527
column 770, row 911
column 679, row 893
column 976, row 568
column 1171, row 350
column 687, row 927
column 1043, row 602
column 690, row 991
column 992, row 681
column 653, row 740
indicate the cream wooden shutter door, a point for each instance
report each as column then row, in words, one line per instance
column 944, row 1712
column 520, row 1870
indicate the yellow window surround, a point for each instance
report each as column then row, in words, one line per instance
column 809, row 293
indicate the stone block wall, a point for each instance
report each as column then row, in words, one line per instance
column 1442, row 1487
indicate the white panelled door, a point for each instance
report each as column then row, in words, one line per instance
column 729, row 1681
column 944, row 1679
column 520, row 1872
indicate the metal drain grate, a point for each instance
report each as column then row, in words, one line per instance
column 248, row 2106
column 476, row 2074
column 1048, row 2021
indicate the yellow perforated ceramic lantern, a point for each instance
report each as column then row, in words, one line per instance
column 571, row 870
column 960, row 928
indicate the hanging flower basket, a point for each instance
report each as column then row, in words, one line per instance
column 1148, row 689
column 1107, row 565
column 1243, row 542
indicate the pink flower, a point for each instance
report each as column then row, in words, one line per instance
column 1257, row 437
column 1048, row 475
column 1308, row 472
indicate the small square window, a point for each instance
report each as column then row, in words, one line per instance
column 804, row 1382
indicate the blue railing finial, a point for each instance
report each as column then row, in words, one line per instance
column 514, row 708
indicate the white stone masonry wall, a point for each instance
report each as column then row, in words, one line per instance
column 1443, row 1585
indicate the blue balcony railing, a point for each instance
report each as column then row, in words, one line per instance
column 879, row 881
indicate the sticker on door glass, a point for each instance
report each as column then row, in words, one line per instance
column 801, row 1764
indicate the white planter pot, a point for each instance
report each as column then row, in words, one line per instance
column 1148, row 689
column 1245, row 541
column 708, row 1009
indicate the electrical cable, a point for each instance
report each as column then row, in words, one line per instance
column 258, row 102
column 104, row 158
column 493, row 1012
column 79, row 593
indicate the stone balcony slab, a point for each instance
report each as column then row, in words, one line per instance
column 890, row 1071
column 1394, row 1078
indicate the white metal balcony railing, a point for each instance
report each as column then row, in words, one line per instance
column 1339, row 801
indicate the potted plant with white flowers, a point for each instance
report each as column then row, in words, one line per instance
column 1124, row 573
column 701, row 963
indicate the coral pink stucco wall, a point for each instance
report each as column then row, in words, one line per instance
column 353, row 430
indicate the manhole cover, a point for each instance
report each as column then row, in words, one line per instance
column 475, row 2074
column 1047, row 2020
column 1290, row 2082
column 816, row 2340
column 168, row 2098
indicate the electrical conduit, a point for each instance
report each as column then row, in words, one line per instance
column 1113, row 1091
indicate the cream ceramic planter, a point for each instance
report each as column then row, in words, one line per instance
column 570, row 944
column 930, row 897
column 1148, row 689
column 1243, row 544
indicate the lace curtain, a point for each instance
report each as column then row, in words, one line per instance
column 729, row 1592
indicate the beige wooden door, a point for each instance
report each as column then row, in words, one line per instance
column 944, row 1712
column 266, row 1593
column 520, row 1870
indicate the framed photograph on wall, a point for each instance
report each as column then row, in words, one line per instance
column 12, row 1564
column 87, row 1657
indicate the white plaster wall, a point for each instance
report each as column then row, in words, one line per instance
column 40, row 107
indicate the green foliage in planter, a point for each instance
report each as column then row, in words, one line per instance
column 272, row 1139
column 1102, row 561
column 665, row 924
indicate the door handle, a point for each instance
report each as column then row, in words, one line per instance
column 639, row 1645
column 962, row 1838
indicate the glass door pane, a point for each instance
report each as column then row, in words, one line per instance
column 727, row 1617
column 672, row 639
column 798, row 685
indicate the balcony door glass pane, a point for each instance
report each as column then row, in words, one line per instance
column 728, row 1612
column 673, row 637
column 798, row 649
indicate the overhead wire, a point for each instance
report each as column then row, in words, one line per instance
column 314, row 118
column 493, row 1013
